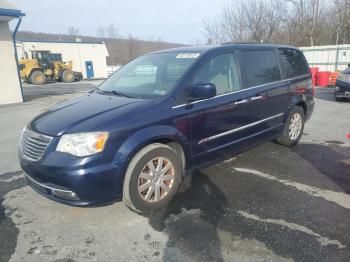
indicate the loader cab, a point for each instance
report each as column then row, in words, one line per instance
column 43, row 58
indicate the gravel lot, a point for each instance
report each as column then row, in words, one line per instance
column 271, row 203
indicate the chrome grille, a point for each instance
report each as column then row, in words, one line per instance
column 33, row 145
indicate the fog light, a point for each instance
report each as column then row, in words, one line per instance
column 65, row 194
column 337, row 88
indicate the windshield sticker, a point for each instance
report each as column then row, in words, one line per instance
column 188, row 55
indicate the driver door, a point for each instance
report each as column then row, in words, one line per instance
column 215, row 122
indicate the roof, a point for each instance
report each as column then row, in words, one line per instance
column 8, row 11
column 11, row 12
column 205, row 48
column 60, row 42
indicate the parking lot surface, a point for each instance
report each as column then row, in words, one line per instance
column 271, row 203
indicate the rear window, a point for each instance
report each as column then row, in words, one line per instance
column 258, row 67
column 293, row 63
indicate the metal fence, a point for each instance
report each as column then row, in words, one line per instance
column 328, row 58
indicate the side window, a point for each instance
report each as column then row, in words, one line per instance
column 221, row 71
column 293, row 63
column 258, row 67
column 56, row 57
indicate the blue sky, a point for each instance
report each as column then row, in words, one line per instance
column 178, row 21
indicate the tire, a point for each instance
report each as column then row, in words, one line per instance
column 144, row 199
column 77, row 76
column 67, row 76
column 37, row 78
column 288, row 138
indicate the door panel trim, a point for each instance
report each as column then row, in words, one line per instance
column 205, row 140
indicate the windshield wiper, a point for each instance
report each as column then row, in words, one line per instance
column 112, row 92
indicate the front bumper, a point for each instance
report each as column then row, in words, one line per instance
column 342, row 89
column 60, row 178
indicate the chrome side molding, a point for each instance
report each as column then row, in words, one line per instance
column 205, row 140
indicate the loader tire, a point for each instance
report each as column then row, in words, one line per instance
column 37, row 78
column 68, row 76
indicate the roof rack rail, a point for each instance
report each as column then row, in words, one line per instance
column 244, row 42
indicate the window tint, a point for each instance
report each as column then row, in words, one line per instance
column 258, row 67
column 221, row 71
column 292, row 63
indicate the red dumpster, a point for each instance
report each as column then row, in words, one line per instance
column 314, row 71
column 323, row 78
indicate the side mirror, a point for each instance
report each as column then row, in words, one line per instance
column 202, row 91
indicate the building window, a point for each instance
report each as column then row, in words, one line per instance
column 56, row 57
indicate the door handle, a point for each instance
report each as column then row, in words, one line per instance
column 257, row 98
column 243, row 101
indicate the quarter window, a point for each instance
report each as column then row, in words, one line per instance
column 222, row 72
column 292, row 63
column 258, row 67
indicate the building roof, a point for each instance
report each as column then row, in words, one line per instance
column 59, row 42
column 8, row 11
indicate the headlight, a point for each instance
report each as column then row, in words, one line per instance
column 82, row 144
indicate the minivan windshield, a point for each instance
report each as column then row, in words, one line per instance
column 149, row 76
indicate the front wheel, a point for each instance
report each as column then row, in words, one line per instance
column 152, row 178
column 67, row 76
column 294, row 127
column 37, row 78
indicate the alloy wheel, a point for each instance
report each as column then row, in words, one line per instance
column 295, row 126
column 156, row 179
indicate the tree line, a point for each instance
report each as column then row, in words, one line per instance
column 295, row 22
column 121, row 49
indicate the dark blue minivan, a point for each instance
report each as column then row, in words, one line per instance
column 163, row 115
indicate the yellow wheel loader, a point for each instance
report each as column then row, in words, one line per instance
column 41, row 68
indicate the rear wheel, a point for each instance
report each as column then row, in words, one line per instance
column 152, row 178
column 37, row 78
column 67, row 76
column 294, row 127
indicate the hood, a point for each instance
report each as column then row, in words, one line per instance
column 84, row 113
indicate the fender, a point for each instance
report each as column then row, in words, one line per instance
column 146, row 136
column 36, row 69
column 298, row 99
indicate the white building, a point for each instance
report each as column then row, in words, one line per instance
column 10, row 86
column 329, row 57
column 89, row 58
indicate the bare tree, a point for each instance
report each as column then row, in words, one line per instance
column 112, row 31
column 309, row 13
column 234, row 22
column 213, row 31
column 254, row 20
column 101, row 32
column 262, row 17
column 73, row 31
column 340, row 15
column 132, row 47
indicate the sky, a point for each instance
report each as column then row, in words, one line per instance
column 176, row 21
